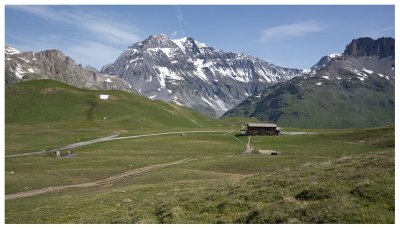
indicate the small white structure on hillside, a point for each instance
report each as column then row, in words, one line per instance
column 104, row 97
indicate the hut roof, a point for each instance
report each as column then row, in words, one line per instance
column 261, row 125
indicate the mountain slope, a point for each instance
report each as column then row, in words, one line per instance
column 53, row 64
column 349, row 91
column 46, row 114
column 194, row 75
column 47, row 101
column 325, row 61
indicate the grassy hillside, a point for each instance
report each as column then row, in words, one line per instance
column 40, row 101
column 337, row 176
column 44, row 113
column 325, row 178
column 331, row 104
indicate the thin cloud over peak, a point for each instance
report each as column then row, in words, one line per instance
column 298, row 34
column 289, row 31
column 179, row 18
column 107, row 30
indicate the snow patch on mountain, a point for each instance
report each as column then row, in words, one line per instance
column 169, row 52
column 19, row 72
column 367, row 71
column 220, row 103
column 164, row 73
column 334, row 55
column 383, row 76
column 324, row 61
column 180, row 44
column 27, row 61
column 362, row 74
column 11, row 51
column 199, row 69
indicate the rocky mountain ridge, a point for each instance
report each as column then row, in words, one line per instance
column 192, row 74
column 368, row 47
column 355, row 89
column 55, row 65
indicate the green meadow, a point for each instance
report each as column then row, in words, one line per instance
column 334, row 176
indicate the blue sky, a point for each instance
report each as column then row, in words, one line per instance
column 288, row 36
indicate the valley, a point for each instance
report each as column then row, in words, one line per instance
column 198, row 173
column 217, row 183
column 159, row 134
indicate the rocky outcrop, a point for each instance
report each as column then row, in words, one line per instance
column 53, row 64
column 368, row 47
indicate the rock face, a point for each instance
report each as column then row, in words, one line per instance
column 192, row 74
column 53, row 64
column 355, row 89
column 368, row 47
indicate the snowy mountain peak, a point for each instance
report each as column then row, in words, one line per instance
column 325, row 60
column 11, row 51
column 153, row 41
column 190, row 73
column 189, row 42
column 181, row 40
column 160, row 36
column 334, row 55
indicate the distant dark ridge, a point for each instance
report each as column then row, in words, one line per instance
column 366, row 46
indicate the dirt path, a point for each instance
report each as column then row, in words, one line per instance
column 157, row 134
column 110, row 138
column 70, row 146
column 297, row 133
column 109, row 180
column 249, row 148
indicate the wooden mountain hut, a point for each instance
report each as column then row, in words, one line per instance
column 262, row 129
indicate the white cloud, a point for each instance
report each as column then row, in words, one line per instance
column 179, row 18
column 289, row 31
column 101, row 41
column 83, row 52
column 103, row 29
column 41, row 11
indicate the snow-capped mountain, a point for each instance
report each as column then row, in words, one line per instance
column 324, row 61
column 362, row 57
column 192, row 74
column 355, row 89
column 53, row 64
column 11, row 51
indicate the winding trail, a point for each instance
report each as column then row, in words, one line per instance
column 70, row 146
column 110, row 138
column 109, row 180
column 249, row 148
